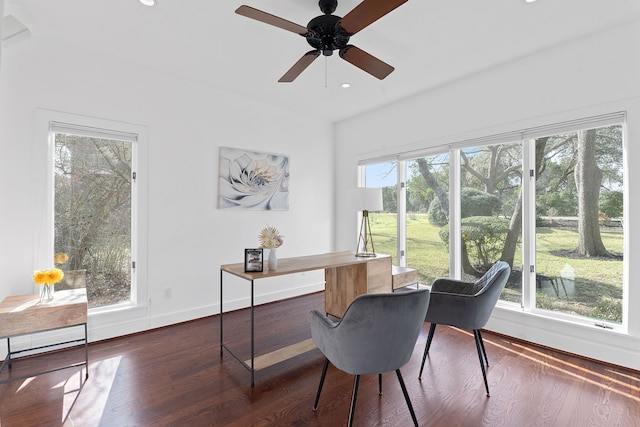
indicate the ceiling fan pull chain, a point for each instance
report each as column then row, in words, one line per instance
column 325, row 71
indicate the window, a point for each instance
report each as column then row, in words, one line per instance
column 95, row 209
column 427, row 192
column 579, row 223
column 491, row 212
column 547, row 200
column 384, row 225
column 411, row 225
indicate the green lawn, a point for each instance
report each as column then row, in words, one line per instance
column 593, row 285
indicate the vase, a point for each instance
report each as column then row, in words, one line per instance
column 46, row 292
column 273, row 259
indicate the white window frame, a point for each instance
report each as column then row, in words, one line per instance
column 527, row 138
column 46, row 122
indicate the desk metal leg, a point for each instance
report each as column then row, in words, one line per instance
column 252, row 337
column 86, row 352
column 9, row 351
column 251, row 367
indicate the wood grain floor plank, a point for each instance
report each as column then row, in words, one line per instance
column 175, row 376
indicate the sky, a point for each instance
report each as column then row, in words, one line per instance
column 381, row 175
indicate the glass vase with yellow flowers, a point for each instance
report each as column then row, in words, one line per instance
column 47, row 280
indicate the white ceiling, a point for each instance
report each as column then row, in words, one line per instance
column 429, row 43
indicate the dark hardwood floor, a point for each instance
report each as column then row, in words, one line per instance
column 175, row 376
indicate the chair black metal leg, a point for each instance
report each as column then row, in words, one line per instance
column 406, row 397
column 352, row 410
column 324, row 374
column 484, row 352
column 432, row 331
column 479, row 348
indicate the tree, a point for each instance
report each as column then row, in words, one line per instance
column 93, row 202
column 515, row 225
column 432, row 182
column 588, row 178
column 389, row 199
column 611, row 203
column 497, row 164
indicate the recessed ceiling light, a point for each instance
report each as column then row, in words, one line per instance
column 345, row 85
column 529, row 1
column 148, row 2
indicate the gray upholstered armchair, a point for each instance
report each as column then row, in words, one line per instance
column 466, row 305
column 377, row 334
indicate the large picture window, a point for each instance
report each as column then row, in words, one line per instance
column 549, row 201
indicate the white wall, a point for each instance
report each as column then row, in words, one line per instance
column 1, row 23
column 188, row 237
column 591, row 76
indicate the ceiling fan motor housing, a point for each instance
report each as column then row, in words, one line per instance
column 328, row 6
column 325, row 35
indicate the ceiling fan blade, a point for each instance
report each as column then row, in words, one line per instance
column 366, row 13
column 366, row 62
column 270, row 19
column 299, row 66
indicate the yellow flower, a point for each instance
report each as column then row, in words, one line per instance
column 48, row 277
column 40, row 277
column 60, row 258
column 55, row 275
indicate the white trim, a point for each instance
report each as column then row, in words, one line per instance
column 531, row 132
column 401, row 220
column 455, row 207
column 47, row 120
column 92, row 132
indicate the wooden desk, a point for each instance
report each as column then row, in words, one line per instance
column 24, row 314
column 346, row 277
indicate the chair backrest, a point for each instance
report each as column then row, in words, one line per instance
column 377, row 333
column 470, row 311
column 499, row 272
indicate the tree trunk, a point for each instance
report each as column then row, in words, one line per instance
column 466, row 264
column 588, row 178
column 515, row 226
column 433, row 183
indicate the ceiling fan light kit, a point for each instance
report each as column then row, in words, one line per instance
column 328, row 32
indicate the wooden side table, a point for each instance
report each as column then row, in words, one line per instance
column 24, row 315
column 403, row 276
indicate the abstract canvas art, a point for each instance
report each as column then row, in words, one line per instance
column 252, row 180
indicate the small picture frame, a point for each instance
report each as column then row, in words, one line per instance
column 252, row 260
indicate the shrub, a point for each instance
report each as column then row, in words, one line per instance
column 608, row 309
column 478, row 203
column 484, row 238
column 436, row 215
column 473, row 203
column 611, row 203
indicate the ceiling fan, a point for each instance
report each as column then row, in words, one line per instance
column 326, row 33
